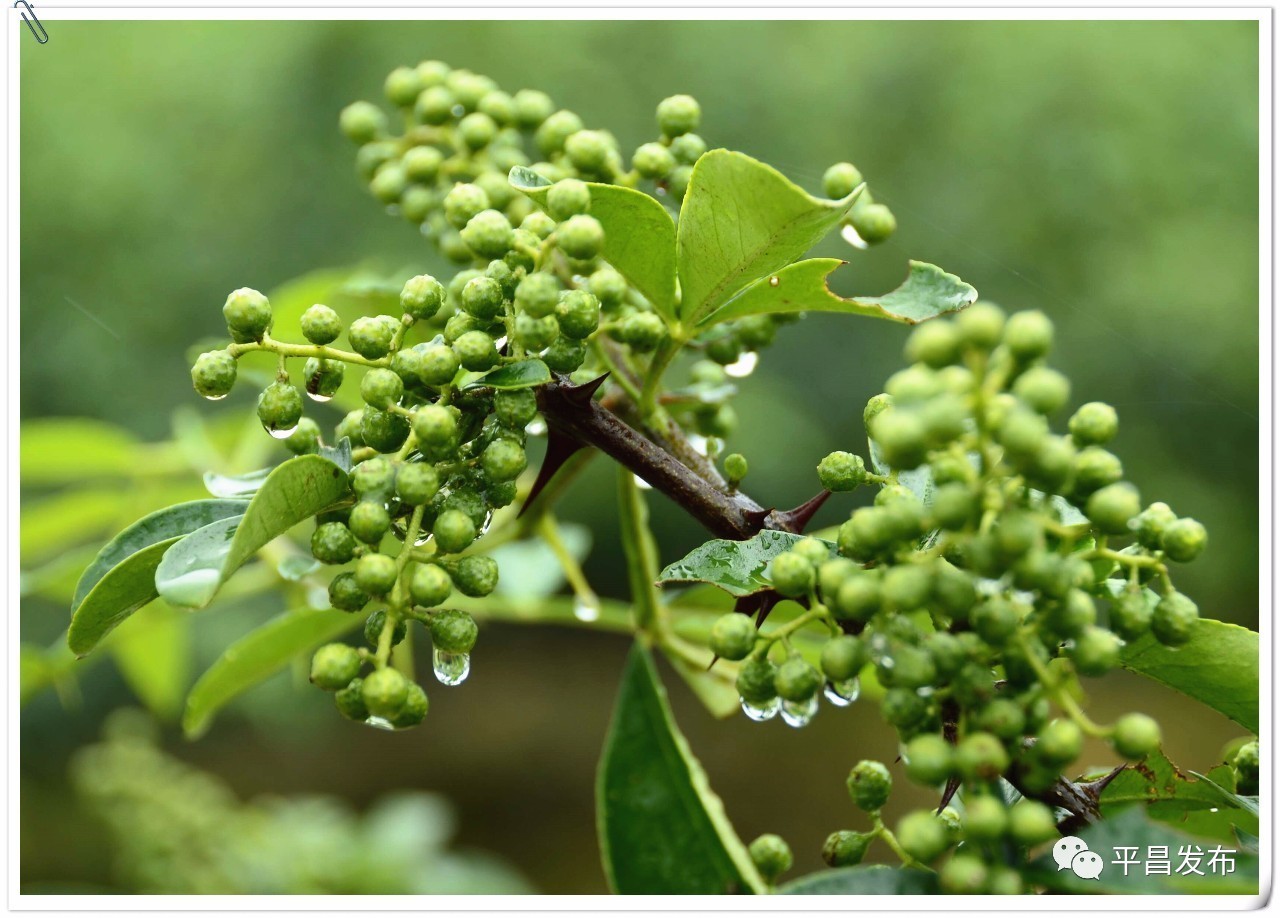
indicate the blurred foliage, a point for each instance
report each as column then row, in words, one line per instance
column 1103, row 172
column 177, row 830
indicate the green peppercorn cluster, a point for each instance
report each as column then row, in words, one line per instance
column 998, row 563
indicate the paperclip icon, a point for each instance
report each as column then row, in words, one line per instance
column 32, row 21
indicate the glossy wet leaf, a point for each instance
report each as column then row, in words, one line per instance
column 339, row 455
column 296, row 490
column 241, row 487
column 740, row 221
column 736, row 567
column 258, row 655
column 875, row 880
column 1218, row 667
column 1214, row 783
column 123, row 590
column 52, row 451
column 169, row 523
column 1188, row 801
column 927, row 292
column 1131, row 828
column 662, row 829
column 523, row 374
column 153, row 653
column 639, row 235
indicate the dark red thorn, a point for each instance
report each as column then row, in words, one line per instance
column 582, row 394
column 559, row 448
column 948, row 792
column 1096, row 787
column 756, row 518
column 797, row 519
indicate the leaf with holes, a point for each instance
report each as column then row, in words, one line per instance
column 737, row 567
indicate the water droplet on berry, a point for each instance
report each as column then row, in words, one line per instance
column 586, row 609
column 642, row 484
column 799, row 713
column 850, row 235
column 500, row 343
column 380, row 723
column 536, row 428
column 843, row 694
column 317, row 397
column 758, row 712
column 774, row 281
column 450, row 668
column 280, row 433
column 217, row 398
column 743, row 366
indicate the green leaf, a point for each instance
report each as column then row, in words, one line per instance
column 123, row 590
column 737, row 567
column 875, row 880
column 639, row 235
column 741, row 220
column 296, row 490
column 927, row 292
column 1227, row 797
column 523, row 374
column 1218, row 666
column 153, row 653
column 258, row 655
column 1193, row 803
column 662, row 829
column 169, row 523
column 57, row 450
column 241, row 487
column 1131, row 828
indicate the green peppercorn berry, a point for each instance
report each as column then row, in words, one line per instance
column 841, row 471
column 536, row 334
column 475, row 350
column 678, row 115
column 362, row 121
column 981, row 757
column 305, row 438
column 476, row 130
column 515, row 408
column 963, row 875
column 555, row 129
column 438, row 365
column 489, row 234
column 381, row 388
column 796, row 680
column 333, row 543
column 429, row 585
column 434, row 106
column 213, row 374
column 1096, row 468
column 482, row 296
column 589, row 151
column 792, row 574
column 371, row 336
column 531, row 107
column 1059, row 743
column 476, row 575
column 642, row 331
column 935, row 344
column 846, row 848
column 581, row 237
column 735, row 468
column 376, row 573
column 333, row 666
column 1050, row 467
column 608, row 286
column 1042, row 389
column 1174, row 619
column 345, row 593
column 1031, row 823
column 724, row 348
column 1023, row 433
column 568, row 197
column 369, row 521
column 578, row 314
column 453, row 631
column 422, row 164
column 279, row 408
column 687, row 149
column 372, row 155
column 901, row 436
column 349, row 701
column 384, row 692
column 1183, row 540
column 422, row 296
column 756, row 332
column 1095, row 652
column 874, row 222
column 1151, row 524
column 653, row 161
column 906, row 587
column 985, row 819
column 981, row 325
column 1131, row 614
column 1072, row 615
column 322, row 379
column 402, row 86
column 503, row 460
column 453, row 531
column 733, row 636
column 320, row 324
column 1135, row 736
column 463, row 202
column 922, row 836
column 1111, row 508
column 414, row 709
column 376, row 623
column 383, row 430
column 928, row 759
column 1028, row 335
column 954, row 506
column 1094, row 423
column 248, row 315
column 840, row 180
column 755, row 682
column 771, row 855
column 869, row 785
column 436, row 427
column 1248, row 764
column 388, row 183
column 858, row 598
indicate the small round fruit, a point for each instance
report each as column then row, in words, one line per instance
column 280, row 407
column 515, row 408
column 1031, row 822
column 475, row 350
column 333, row 543
column 453, row 531
column 653, row 161
column 417, row 483
column 580, row 237
column 248, row 315
column 376, row 573
column 213, row 374
column 349, row 701
column 792, row 574
column 476, row 575
column 755, row 681
column 922, row 835
column 1028, row 334
column 430, row 585
column 362, row 121
column 1112, row 507
column 384, row 692
column 771, row 855
column 503, row 460
column 678, row 115
column 1093, row 424
column 333, row 666
column 981, row 757
column 1135, row 736
column 1174, row 620
column 422, row 296
column 796, row 680
column 846, row 848
column 1183, row 540
column 733, row 636
column 929, row 759
column 985, row 819
column 843, row 658
column 453, row 631
column 381, row 388
column 869, row 785
column 840, row 180
column 414, row 709
column 369, row 521
column 841, row 471
column 320, row 324
column 376, row 623
column 371, row 336
column 345, row 593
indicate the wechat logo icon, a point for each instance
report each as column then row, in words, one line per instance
column 1073, row 854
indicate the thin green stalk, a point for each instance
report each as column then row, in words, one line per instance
column 641, row 552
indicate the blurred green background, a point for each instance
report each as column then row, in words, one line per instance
column 1103, row 172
